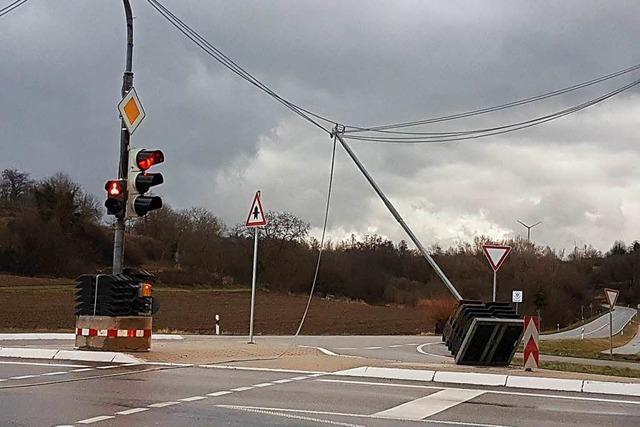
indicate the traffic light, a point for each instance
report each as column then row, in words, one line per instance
column 140, row 181
column 116, row 197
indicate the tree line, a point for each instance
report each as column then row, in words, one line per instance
column 53, row 227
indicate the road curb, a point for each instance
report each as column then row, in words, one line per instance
column 30, row 336
column 510, row 381
column 85, row 356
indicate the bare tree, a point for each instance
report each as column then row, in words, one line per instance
column 14, row 185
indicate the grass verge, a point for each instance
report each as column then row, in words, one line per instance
column 592, row 348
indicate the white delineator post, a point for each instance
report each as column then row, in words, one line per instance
column 256, row 219
column 217, row 324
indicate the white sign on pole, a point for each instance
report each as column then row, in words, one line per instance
column 516, row 296
column 496, row 254
column 256, row 219
column 612, row 296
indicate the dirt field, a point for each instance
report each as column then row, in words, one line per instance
column 48, row 304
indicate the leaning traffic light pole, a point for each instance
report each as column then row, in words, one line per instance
column 127, row 84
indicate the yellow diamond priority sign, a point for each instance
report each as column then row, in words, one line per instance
column 131, row 110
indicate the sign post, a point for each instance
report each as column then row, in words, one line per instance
column 612, row 297
column 516, row 296
column 256, row 219
column 496, row 254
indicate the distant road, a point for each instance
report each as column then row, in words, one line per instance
column 598, row 328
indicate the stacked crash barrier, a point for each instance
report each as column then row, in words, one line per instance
column 480, row 333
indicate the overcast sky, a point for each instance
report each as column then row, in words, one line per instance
column 360, row 62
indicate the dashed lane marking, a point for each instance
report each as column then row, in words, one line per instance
column 54, row 373
column 219, row 393
column 82, row 370
column 372, row 348
column 95, row 419
column 23, row 377
column 350, row 415
column 241, row 388
column 193, row 398
column 132, row 411
column 163, row 404
column 294, row 417
column 197, row 398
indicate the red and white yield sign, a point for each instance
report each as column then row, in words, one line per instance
column 496, row 254
column 530, row 340
column 612, row 296
column 256, row 216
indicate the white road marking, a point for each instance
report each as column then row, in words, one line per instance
column 55, row 373
column 262, row 385
column 242, row 388
column 489, row 391
column 327, row 352
column 396, row 345
column 43, row 364
column 344, row 414
column 2, row 379
column 372, row 348
column 163, row 404
column 82, row 370
column 299, row 378
column 297, row 417
column 95, row 419
column 420, row 349
column 219, row 393
column 132, row 411
column 108, row 367
column 283, row 381
column 22, row 377
column 193, row 398
column 432, row 404
column 247, row 368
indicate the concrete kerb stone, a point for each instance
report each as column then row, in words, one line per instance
column 53, row 354
column 68, row 336
column 511, row 381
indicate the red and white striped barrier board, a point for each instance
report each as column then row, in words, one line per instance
column 113, row 333
column 530, row 339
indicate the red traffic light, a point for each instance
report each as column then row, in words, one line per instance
column 147, row 158
column 115, row 187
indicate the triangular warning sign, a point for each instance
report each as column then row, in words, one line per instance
column 496, row 255
column 256, row 216
column 612, row 296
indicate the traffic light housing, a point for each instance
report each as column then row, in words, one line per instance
column 140, row 181
column 116, row 197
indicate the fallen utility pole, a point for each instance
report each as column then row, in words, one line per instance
column 338, row 133
column 127, row 84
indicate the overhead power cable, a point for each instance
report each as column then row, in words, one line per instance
column 12, row 6
column 360, row 133
column 223, row 59
column 482, row 133
column 516, row 103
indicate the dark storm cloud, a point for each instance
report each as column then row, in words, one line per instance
column 360, row 63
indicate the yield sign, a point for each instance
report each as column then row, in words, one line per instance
column 131, row 110
column 612, row 296
column 256, row 216
column 496, row 255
